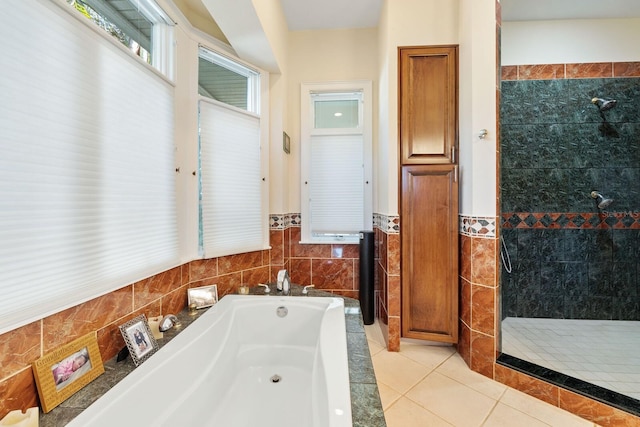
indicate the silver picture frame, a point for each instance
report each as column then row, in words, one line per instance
column 203, row 296
column 139, row 339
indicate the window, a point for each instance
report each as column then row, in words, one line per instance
column 336, row 129
column 337, row 111
column 233, row 202
column 225, row 80
column 87, row 171
column 140, row 25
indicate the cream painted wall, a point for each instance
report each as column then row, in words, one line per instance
column 336, row 55
column 382, row 165
column 478, row 85
column 570, row 41
column 200, row 19
column 404, row 23
column 187, row 144
column 279, row 161
column 274, row 24
column 322, row 56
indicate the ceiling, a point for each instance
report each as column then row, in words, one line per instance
column 536, row 10
column 333, row 14
column 320, row 15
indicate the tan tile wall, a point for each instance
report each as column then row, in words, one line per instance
column 571, row 71
column 333, row 268
column 478, row 303
column 387, row 286
column 479, row 336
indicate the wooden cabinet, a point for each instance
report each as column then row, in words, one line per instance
column 429, row 192
column 429, row 236
column 428, row 104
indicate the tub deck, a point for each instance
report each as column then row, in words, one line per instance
column 365, row 400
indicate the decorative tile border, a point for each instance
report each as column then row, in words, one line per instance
column 581, row 220
column 294, row 220
column 571, row 71
column 284, row 221
column 388, row 224
column 277, row 221
column 477, row 226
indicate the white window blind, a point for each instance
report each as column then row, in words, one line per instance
column 87, row 188
column 336, row 159
column 337, row 184
column 231, row 180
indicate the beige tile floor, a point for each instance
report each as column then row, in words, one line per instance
column 430, row 385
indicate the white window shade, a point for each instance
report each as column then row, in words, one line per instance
column 231, row 181
column 87, row 189
column 337, row 185
column 336, row 161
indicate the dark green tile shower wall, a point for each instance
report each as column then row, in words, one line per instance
column 556, row 148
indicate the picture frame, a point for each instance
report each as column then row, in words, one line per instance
column 139, row 339
column 203, row 296
column 286, row 143
column 64, row 371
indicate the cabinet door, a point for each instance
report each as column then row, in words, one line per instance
column 429, row 243
column 428, row 104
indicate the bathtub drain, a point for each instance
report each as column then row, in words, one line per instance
column 276, row 378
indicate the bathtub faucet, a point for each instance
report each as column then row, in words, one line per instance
column 283, row 283
column 286, row 285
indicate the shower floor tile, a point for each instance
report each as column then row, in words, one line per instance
column 602, row 352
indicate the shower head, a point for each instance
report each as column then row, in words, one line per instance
column 601, row 201
column 604, row 104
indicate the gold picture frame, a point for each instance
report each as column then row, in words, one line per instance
column 139, row 339
column 203, row 296
column 64, row 371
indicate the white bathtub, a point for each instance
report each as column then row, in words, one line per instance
column 223, row 370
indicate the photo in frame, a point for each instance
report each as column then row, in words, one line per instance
column 204, row 296
column 139, row 339
column 64, row 371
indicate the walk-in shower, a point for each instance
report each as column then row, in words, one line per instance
column 570, row 254
column 570, row 126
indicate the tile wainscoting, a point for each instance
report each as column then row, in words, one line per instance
column 479, row 343
column 387, row 277
column 333, row 268
column 479, row 293
column 166, row 293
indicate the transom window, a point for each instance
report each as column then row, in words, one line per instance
column 140, row 25
column 227, row 81
column 337, row 111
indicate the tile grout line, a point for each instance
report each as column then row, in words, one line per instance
column 486, row 418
